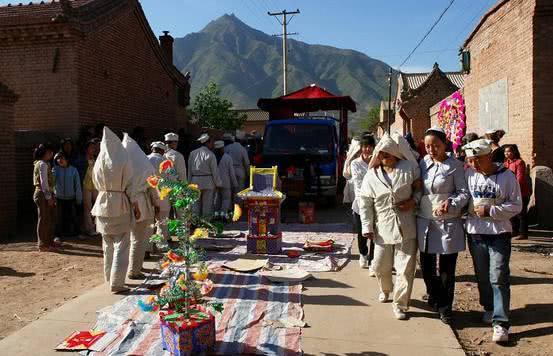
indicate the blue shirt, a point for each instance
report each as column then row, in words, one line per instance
column 68, row 183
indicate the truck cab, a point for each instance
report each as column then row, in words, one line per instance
column 306, row 151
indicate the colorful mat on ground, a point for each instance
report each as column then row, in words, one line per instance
column 294, row 236
column 252, row 304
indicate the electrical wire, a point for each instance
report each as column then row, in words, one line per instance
column 427, row 34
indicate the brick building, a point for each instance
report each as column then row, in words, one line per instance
column 417, row 93
column 76, row 63
column 7, row 164
column 256, row 119
column 82, row 62
column 511, row 71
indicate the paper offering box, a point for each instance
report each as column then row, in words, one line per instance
column 195, row 336
column 263, row 202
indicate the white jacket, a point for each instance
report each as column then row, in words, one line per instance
column 202, row 169
column 378, row 201
column 358, row 171
column 226, row 172
column 240, row 158
column 178, row 161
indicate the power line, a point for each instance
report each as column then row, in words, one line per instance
column 427, row 34
column 285, row 21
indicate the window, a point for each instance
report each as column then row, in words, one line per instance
column 493, row 111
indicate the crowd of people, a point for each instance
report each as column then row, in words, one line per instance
column 104, row 189
column 437, row 201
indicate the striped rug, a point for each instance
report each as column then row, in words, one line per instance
column 251, row 303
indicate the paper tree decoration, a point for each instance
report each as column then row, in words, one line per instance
column 184, row 314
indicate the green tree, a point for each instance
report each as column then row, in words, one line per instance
column 370, row 122
column 213, row 111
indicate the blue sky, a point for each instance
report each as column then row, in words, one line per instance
column 384, row 29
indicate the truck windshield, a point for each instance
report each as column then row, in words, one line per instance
column 302, row 139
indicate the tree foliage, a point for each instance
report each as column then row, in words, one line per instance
column 370, row 122
column 213, row 111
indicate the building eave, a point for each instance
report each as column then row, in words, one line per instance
column 483, row 20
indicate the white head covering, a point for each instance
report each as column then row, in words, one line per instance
column 353, row 150
column 395, row 145
column 203, row 138
column 171, row 137
column 228, row 137
column 240, row 135
column 437, row 129
column 477, row 148
column 219, row 144
column 112, row 175
column 159, row 144
column 141, row 165
column 490, row 132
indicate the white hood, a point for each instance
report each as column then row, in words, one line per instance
column 395, row 145
column 141, row 166
column 112, row 176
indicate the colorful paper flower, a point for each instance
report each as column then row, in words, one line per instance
column 165, row 165
column 193, row 186
column 165, row 264
column 164, row 192
column 199, row 233
column 153, row 181
column 200, row 275
column 174, row 257
column 237, row 214
column 207, row 287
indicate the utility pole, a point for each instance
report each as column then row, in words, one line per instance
column 285, row 21
column 390, row 99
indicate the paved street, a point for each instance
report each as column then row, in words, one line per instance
column 341, row 310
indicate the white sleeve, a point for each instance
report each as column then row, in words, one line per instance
column 366, row 208
column 513, row 200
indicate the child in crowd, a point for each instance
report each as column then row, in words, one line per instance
column 68, row 194
column 495, row 199
column 44, row 198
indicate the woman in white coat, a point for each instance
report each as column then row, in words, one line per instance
column 115, row 208
column 386, row 207
column 148, row 202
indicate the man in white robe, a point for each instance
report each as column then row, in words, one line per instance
column 240, row 159
column 223, row 201
column 386, row 205
column 172, row 141
column 148, row 202
column 202, row 170
column 115, row 208
column 156, row 158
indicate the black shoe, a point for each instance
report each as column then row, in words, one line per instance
column 446, row 317
column 432, row 303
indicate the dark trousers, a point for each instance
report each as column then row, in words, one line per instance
column 438, row 272
column 66, row 224
column 46, row 220
column 520, row 222
column 361, row 240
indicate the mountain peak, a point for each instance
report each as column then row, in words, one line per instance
column 224, row 22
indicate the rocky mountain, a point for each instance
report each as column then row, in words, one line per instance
column 247, row 64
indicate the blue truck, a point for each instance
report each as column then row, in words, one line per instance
column 306, row 151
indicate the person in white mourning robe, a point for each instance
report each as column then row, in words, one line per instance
column 225, row 167
column 115, row 208
column 156, row 158
column 179, row 163
column 147, row 199
column 240, row 159
column 202, row 171
column 386, row 206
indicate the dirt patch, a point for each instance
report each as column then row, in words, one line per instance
column 531, row 304
column 34, row 283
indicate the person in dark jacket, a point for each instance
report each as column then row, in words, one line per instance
column 68, row 195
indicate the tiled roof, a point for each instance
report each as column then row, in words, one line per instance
column 32, row 13
column 254, row 115
column 415, row 80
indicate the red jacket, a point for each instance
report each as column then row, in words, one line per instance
column 519, row 169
